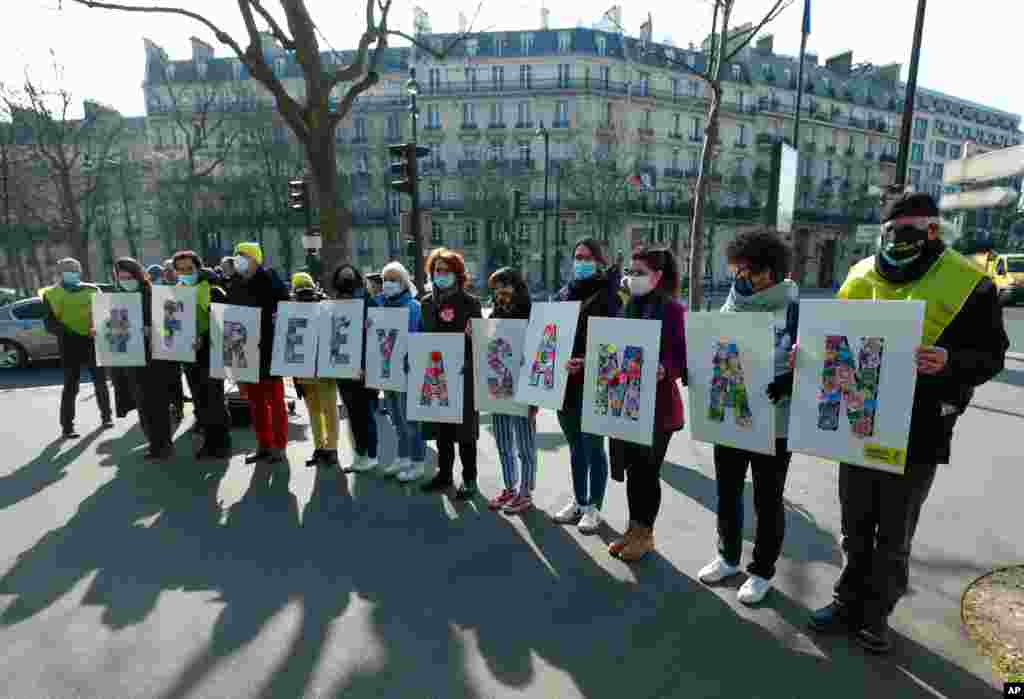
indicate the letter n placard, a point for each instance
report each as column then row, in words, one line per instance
column 855, row 378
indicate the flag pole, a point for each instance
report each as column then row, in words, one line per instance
column 804, row 31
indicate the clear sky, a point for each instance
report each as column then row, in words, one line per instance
column 970, row 49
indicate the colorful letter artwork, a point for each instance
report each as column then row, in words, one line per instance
column 500, row 383
column 235, row 337
column 857, row 385
column 386, row 340
column 544, row 359
column 293, row 340
column 339, row 340
column 728, row 385
column 435, row 383
column 119, row 330
column 172, row 323
column 618, row 382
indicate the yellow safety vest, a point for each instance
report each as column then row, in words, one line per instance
column 944, row 289
column 72, row 308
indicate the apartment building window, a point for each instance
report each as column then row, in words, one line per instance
column 741, row 134
column 496, row 151
column 525, row 77
column 606, row 76
column 526, row 43
column 468, row 114
column 436, row 234
column 675, row 87
column 647, row 118
column 564, row 75
column 394, row 131
column 920, row 128
column 363, row 163
column 497, row 114
column 360, row 126
column 524, row 151
column 689, row 60
column 644, row 85
column 433, row 117
column 937, row 171
column 739, row 99
column 737, row 72
column 940, row 149
column 694, row 88
column 675, row 159
column 561, row 113
column 435, row 193
column 471, row 78
column 828, row 169
column 470, row 233
column 339, row 135
column 789, row 76
column 393, row 203
column 563, row 232
column 916, row 152
column 498, row 77
column 915, row 178
column 696, row 131
column 954, row 151
column 523, row 115
column 524, row 233
column 564, row 42
column 602, row 46
column 676, row 126
column 434, row 79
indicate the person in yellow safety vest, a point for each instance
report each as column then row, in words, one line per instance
column 69, row 317
column 963, row 346
column 211, row 412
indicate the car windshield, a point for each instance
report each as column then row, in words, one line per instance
column 1015, row 265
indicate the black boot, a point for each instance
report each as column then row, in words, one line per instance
column 260, row 455
column 316, row 459
column 836, row 617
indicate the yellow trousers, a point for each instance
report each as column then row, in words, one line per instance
column 321, row 397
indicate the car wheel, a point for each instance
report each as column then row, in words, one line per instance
column 12, row 356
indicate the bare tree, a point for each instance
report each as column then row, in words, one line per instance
column 596, row 177
column 313, row 116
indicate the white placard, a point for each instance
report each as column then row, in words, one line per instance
column 174, row 323
column 436, row 380
column 295, row 338
column 620, row 378
column 119, row 338
column 497, row 359
column 548, row 346
column 855, row 377
column 341, row 330
column 235, row 342
column 387, row 337
column 730, row 361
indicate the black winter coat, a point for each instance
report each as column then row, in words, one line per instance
column 263, row 290
column 465, row 307
column 599, row 298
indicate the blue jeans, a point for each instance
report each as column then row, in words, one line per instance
column 409, row 435
column 588, row 459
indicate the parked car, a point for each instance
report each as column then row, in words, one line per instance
column 23, row 337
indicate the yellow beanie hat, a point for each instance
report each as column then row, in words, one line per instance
column 302, row 280
column 253, row 250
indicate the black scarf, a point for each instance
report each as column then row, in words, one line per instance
column 647, row 307
column 933, row 249
column 583, row 289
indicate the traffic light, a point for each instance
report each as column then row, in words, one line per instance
column 517, row 204
column 403, row 166
column 298, row 195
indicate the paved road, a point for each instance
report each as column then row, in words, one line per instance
column 123, row 579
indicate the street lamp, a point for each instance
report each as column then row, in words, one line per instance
column 413, row 89
column 543, row 133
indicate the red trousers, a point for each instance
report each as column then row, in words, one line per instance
column 269, row 415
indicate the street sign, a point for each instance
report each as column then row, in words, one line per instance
column 1005, row 162
column 868, row 234
column 979, row 199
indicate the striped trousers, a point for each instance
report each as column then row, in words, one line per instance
column 514, row 433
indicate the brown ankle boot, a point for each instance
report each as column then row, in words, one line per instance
column 639, row 545
column 616, row 546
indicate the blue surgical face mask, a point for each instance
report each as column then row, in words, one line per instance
column 584, row 269
column 71, row 278
column 129, row 284
column 392, row 289
column 444, row 281
column 187, row 279
column 743, row 286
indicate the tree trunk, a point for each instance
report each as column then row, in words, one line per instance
column 78, row 238
column 700, row 195
column 335, row 222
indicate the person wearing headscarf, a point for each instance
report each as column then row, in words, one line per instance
column 259, row 287
column 69, row 317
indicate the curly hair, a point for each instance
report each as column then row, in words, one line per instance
column 761, row 250
column 453, row 260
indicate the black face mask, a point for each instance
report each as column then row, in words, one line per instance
column 901, row 246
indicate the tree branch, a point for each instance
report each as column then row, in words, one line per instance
column 771, row 15
column 275, row 28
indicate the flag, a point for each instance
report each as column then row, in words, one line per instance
column 807, row 17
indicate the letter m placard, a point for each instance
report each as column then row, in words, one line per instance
column 856, row 384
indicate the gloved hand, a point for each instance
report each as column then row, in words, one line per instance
column 781, row 387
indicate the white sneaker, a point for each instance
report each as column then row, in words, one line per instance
column 570, row 514
column 413, row 473
column 754, row 590
column 590, row 522
column 395, row 468
column 358, row 464
column 716, row 571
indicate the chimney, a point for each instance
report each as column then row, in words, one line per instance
column 155, row 57
column 890, row 73
column 841, row 63
column 765, row 45
column 201, row 51
column 421, row 21
column 545, row 15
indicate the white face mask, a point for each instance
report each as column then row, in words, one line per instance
column 392, row 288
column 242, row 264
column 640, row 286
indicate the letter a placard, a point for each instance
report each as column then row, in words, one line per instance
column 855, row 378
column 436, row 363
column 548, row 346
column 620, row 378
column 730, row 359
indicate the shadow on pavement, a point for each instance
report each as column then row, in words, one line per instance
column 36, row 375
column 438, row 582
column 44, row 470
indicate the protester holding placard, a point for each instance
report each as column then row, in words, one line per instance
column 400, row 292
column 360, row 401
column 963, row 346
column 449, row 308
column 759, row 260
column 653, row 284
column 514, row 434
column 258, row 287
column 597, row 291
column 69, row 317
column 211, row 412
